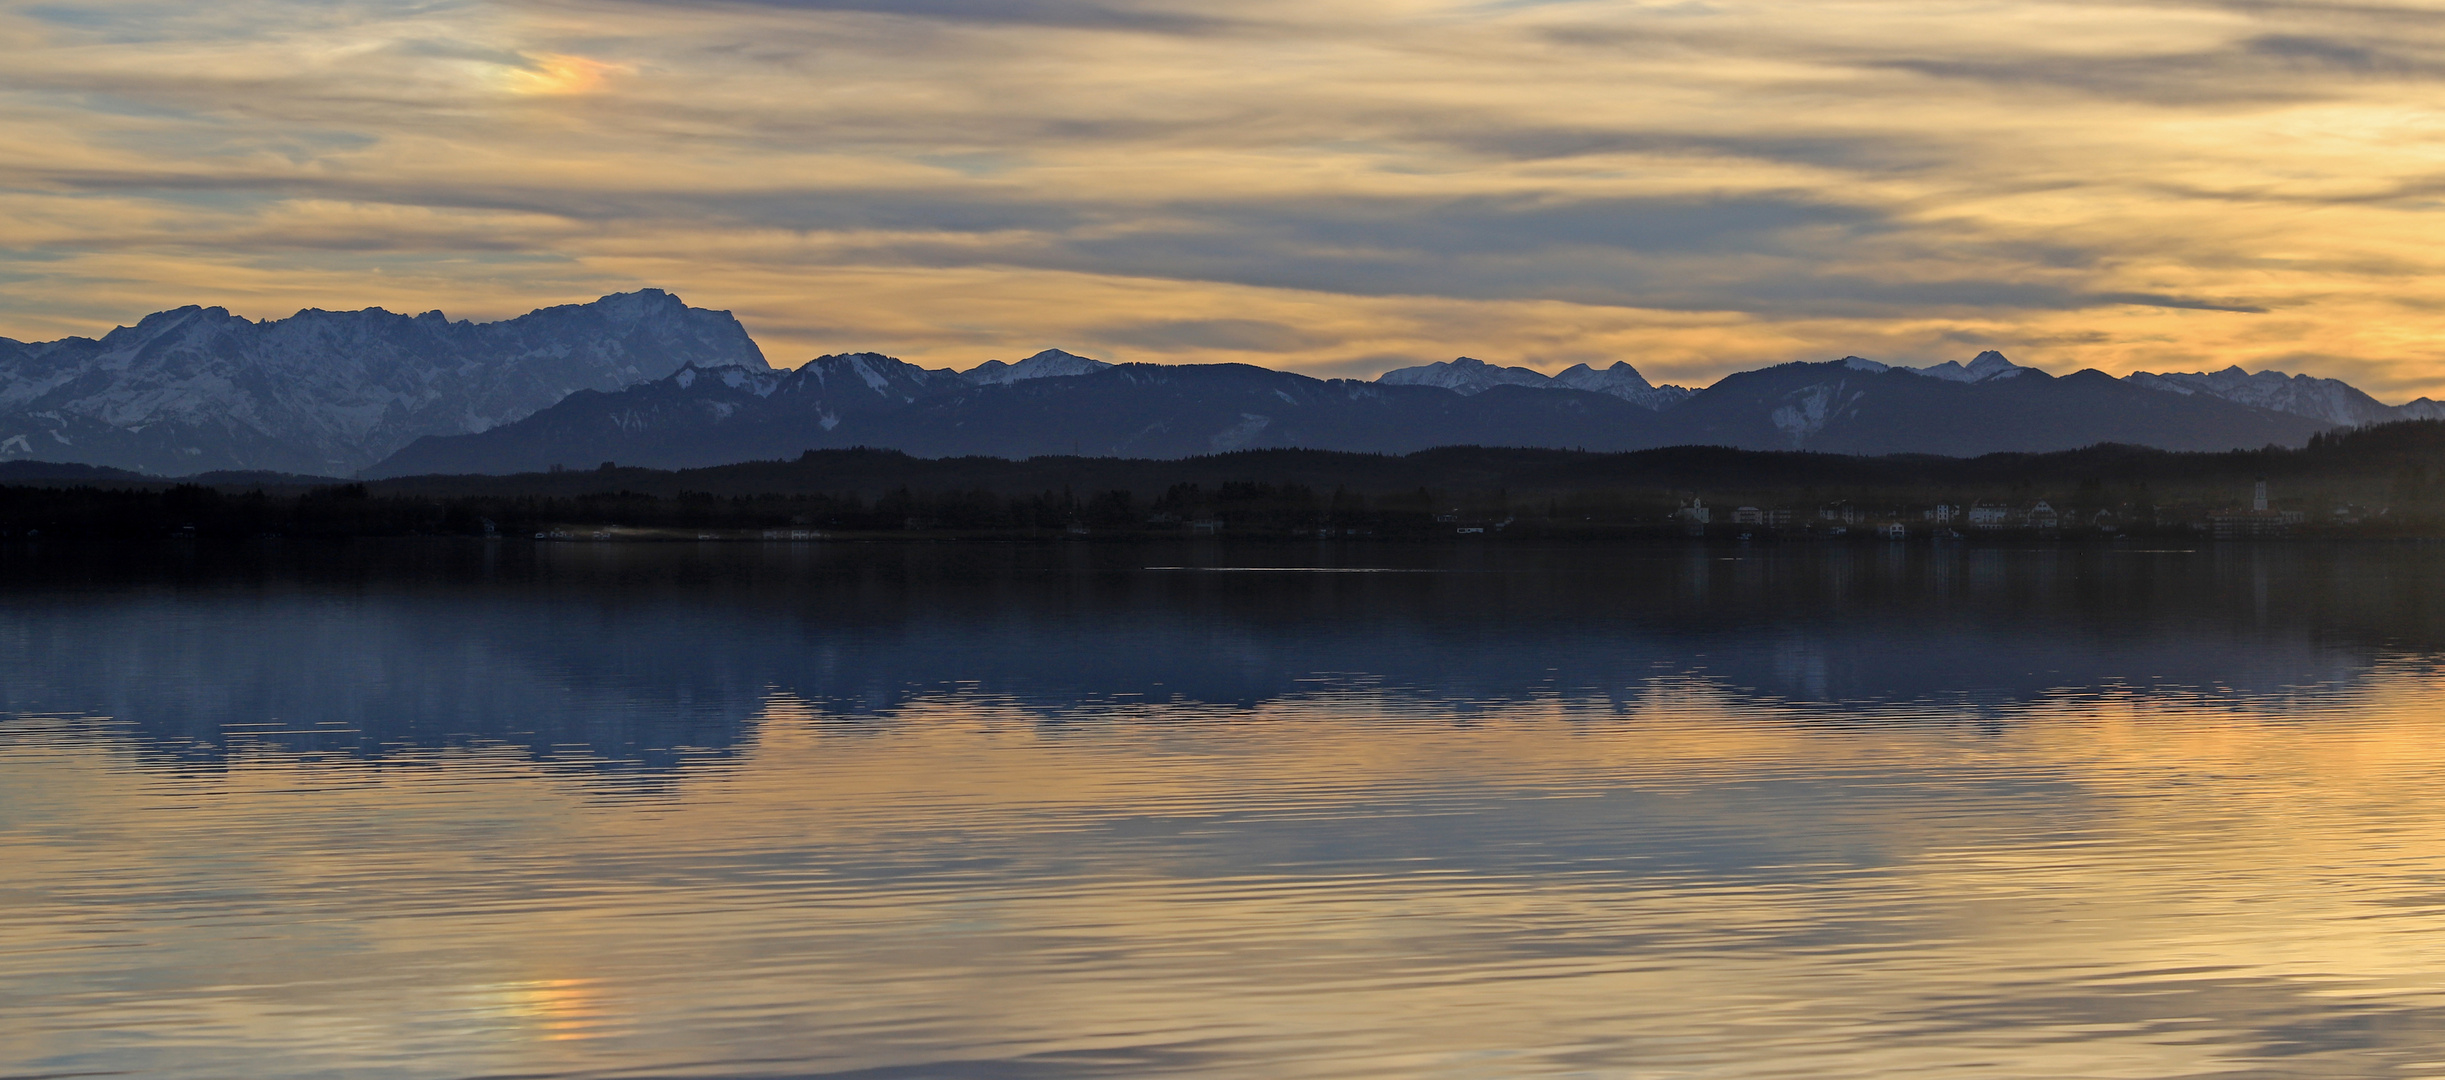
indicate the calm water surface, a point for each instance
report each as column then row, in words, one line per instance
column 1081, row 811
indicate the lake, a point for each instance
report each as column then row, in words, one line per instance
column 441, row 810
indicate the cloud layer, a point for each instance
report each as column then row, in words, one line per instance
column 1334, row 186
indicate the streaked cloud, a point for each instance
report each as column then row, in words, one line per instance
column 1333, row 186
column 1072, row 14
column 551, row 73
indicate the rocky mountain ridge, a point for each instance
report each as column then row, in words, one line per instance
column 642, row 377
column 714, row 416
column 1469, row 375
column 701, row 417
column 2330, row 400
column 330, row 392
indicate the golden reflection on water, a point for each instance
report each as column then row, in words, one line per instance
column 1355, row 882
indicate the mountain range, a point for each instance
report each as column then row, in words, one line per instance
column 1469, row 375
column 331, row 392
column 1072, row 405
column 644, row 379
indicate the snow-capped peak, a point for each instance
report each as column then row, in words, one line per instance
column 1620, row 376
column 2332, row 400
column 1622, row 381
column 1469, row 375
column 1464, row 375
column 1984, row 367
column 330, row 392
column 1049, row 364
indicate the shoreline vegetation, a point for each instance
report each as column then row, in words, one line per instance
column 2382, row 482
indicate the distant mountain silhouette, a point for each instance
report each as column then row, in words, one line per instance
column 705, row 417
column 1985, row 366
column 1843, row 408
column 1469, row 375
column 701, row 417
column 2331, row 400
column 643, row 378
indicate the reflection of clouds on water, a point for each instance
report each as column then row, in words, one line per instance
column 621, row 657
column 1336, row 883
column 1040, row 813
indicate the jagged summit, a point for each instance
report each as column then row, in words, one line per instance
column 1049, row 364
column 1620, row 375
column 2332, row 400
column 1466, row 375
column 1152, row 410
column 1469, row 375
column 1986, row 365
column 196, row 388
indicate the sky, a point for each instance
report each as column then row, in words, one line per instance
column 1336, row 187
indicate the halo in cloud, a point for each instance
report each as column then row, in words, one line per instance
column 553, row 73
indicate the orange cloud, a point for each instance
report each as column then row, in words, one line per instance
column 1336, row 187
column 552, row 73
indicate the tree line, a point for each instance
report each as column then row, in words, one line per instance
column 2386, row 479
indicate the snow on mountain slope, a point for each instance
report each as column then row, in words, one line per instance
column 2331, row 400
column 1132, row 410
column 198, row 389
column 330, row 392
column 1986, row 366
column 1468, row 375
column 1840, row 407
column 1624, row 382
column 697, row 416
column 1049, row 364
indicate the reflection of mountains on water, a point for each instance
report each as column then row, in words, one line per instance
column 629, row 656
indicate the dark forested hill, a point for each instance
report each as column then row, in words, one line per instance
column 2387, row 480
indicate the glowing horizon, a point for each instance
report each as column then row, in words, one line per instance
column 1335, row 188
column 784, row 363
